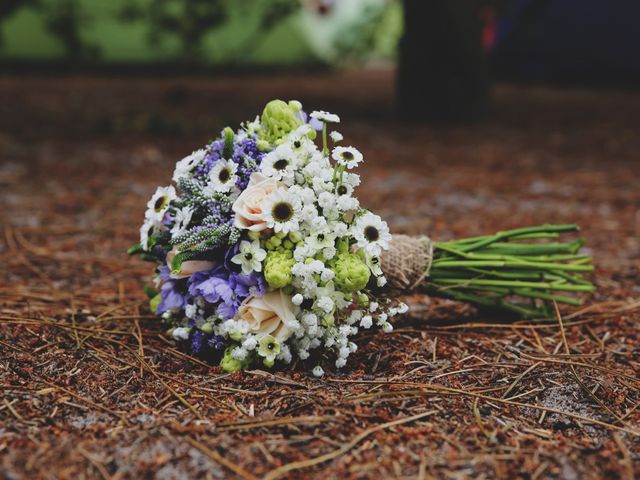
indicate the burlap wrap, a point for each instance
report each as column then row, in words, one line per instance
column 407, row 262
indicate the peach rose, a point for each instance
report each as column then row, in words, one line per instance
column 272, row 314
column 189, row 267
column 248, row 206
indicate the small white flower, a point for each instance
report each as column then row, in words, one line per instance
column 317, row 370
column 159, row 203
column 279, row 164
column 250, row 257
column 381, row 281
column 222, row 176
column 319, row 223
column 181, row 221
column 403, row 308
column 366, row 321
column 297, row 299
column 339, row 229
column 346, row 203
column 190, row 311
column 325, row 303
column 309, row 213
column 326, row 199
column 239, row 353
column 341, row 362
column 352, row 179
column 181, row 333
column 325, row 116
column 327, row 275
column 387, row 328
column 336, row 136
column 348, row 156
column 185, row 166
column 329, row 252
column 303, row 355
column 250, row 343
column 373, row 306
column 281, row 211
column 371, row 233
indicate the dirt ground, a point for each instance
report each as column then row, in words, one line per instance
column 90, row 388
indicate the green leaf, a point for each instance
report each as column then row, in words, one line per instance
column 135, row 249
column 150, row 291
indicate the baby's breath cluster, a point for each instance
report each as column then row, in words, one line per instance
column 264, row 252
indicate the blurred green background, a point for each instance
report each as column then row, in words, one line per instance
column 198, row 32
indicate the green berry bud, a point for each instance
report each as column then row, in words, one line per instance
column 278, row 119
column 277, row 268
column 295, row 237
column 207, row 328
column 352, row 274
column 288, row 244
column 230, row 364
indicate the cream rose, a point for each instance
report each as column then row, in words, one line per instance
column 248, row 206
column 272, row 314
column 189, row 267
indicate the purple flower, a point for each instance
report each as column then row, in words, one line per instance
column 172, row 297
column 225, row 288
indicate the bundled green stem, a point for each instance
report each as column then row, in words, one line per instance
column 516, row 270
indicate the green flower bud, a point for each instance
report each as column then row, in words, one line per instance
column 278, row 119
column 363, row 299
column 230, row 364
column 295, row 237
column 352, row 274
column 288, row 244
column 253, row 235
column 277, row 268
column 154, row 302
column 207, row 328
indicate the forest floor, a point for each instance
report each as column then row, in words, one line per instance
column 90, row 387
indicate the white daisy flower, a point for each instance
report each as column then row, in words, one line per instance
column 325, row 116
column 371, row 233
column 320, row 239
column 281, row 211
column 336, row 136
column 185, row 166
column 344, row 189
column 222, row 176
column 181, row 221
column 250, row 257
column 279, row 164
column 348, row 156
column 301, row 145
column 159, row 203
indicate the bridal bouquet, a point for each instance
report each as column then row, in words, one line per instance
column 264, row 253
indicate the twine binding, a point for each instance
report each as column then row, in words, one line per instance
column 407, row 262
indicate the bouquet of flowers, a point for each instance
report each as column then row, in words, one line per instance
column 264, row 253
